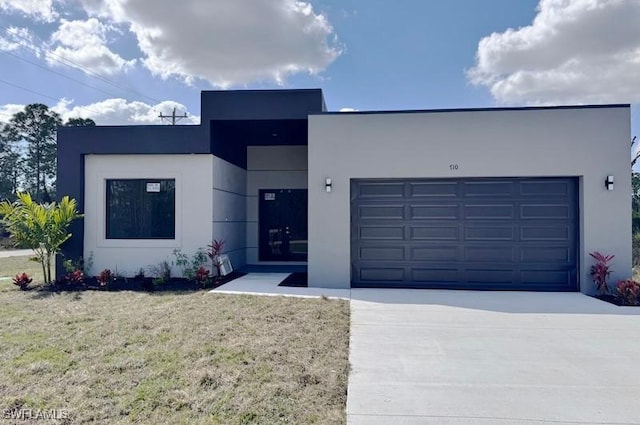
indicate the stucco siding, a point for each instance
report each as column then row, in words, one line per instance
column 588, row 143
column 230, row 209
column 193, row 209
column 271, row 167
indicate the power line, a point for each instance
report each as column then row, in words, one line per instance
column 72, row 64
column 44, row 95
column 59, row 73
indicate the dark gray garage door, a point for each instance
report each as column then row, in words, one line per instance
column 510, row 234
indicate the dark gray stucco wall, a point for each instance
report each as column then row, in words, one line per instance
column 76, row 142
column 260, row 104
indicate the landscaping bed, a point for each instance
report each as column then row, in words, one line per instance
column 146, row 284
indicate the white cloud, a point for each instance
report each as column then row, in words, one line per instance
column 85, row 43
column 42, row 10
column 584, row 51
column 16, row 38
column 123, row 112
column 226, row 42
column 8, row 110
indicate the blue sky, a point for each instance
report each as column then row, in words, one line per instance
column 125, row 61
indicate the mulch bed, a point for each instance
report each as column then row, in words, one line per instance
column 144, row 285
column 295, row 280
column 612, row 299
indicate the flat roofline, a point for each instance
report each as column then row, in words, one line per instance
column 516, row 108
column 261, row 90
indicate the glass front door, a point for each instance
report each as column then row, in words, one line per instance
column 283, row 225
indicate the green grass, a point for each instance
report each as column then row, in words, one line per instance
column 193, row 358
column 11, row 266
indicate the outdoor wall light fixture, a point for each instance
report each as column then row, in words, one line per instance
column 608, row 183
column 327, row 184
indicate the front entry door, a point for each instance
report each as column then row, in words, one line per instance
column 283, row 225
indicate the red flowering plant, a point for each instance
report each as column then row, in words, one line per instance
column 628, row 291
column 75, row 277
column 75, row 271
column 202, row 276
column 22, row 280
column 600, row 271
column 105, row 277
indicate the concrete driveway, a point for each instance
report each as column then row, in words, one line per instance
column 463, row 357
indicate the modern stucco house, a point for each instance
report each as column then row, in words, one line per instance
column 504, row 198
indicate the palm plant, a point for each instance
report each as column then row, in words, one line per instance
column 40, row 227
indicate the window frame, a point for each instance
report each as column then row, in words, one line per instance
column 143, row 181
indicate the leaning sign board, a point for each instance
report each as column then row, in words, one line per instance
column 225, row 265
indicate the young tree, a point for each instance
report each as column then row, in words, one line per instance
column 40, row 227
column 34, row 131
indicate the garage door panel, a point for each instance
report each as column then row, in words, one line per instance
column 419, row 190
column 438, row 212
column 546, row 277
column 547, row 189
column 382, row 253
column 382, row 274
column 489, row 253
column 381, row 190
column 444, row 253
column 545, row 233
column 474, row 232
column 435, row 275
column 485, row 276
column 491, row 188
column 490, row 234
column 489, row 211
column 382, row 233
column 545, row 254
column 545, row 211
column 435, row 233
column 381, row 212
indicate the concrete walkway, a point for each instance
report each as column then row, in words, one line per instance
column 16, row 253
column 267, row 284
column 507, row 358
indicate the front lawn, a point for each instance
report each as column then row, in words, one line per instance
column 179, row 358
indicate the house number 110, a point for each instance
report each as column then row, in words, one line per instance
column 453, row 167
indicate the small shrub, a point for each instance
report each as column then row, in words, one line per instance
column 189, row 266
column 600, row 271
column 105, row 278
column 75, row 270
column 162, row 273
column 628, row 291
column 74, row 277
column 202, row 276
column 22, row 280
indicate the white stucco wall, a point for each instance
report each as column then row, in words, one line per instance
column 230, row 209
column 271, row 167
column 194, row 177
column 589, row 143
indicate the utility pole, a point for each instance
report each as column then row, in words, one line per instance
column 174, row 118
